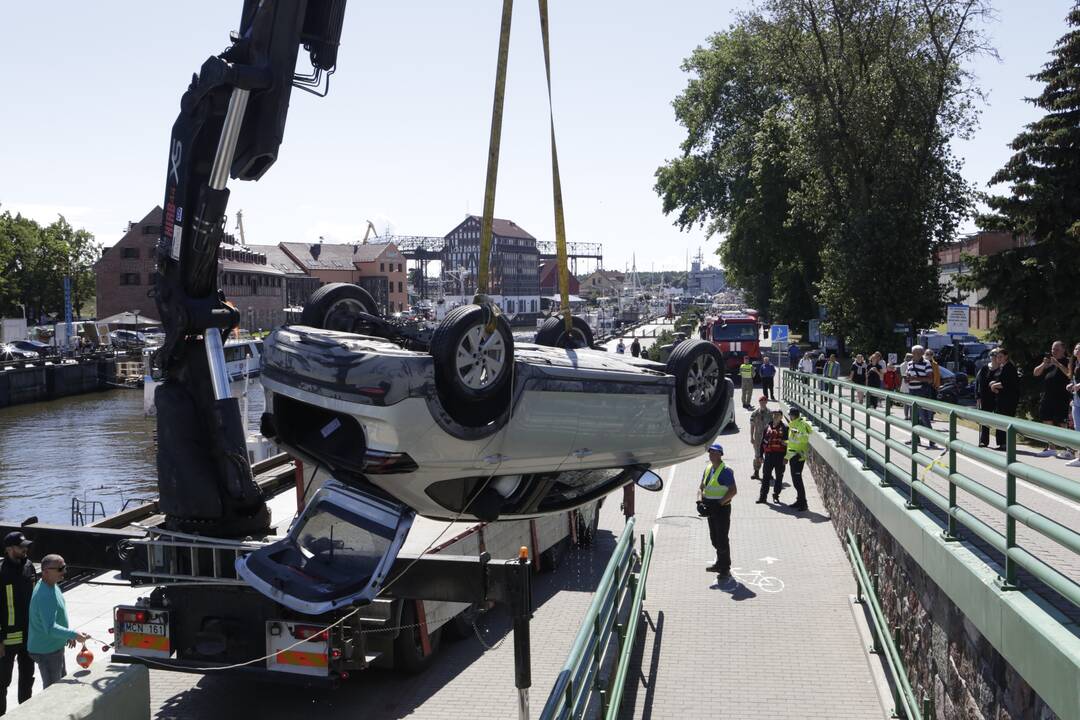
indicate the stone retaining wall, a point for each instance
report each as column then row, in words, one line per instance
column 946, row 657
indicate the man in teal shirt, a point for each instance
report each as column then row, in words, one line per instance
column 49, row 632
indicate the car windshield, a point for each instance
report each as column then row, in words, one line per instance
column 734, row 331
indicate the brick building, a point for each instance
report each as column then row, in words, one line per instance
column 515, row 265
column 298, row 284
column 603, row 283
column 377, row 267
column 125, row 272
column 951, row 265
column 549, row 280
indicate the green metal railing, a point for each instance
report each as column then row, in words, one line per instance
column 835, row 406
column 580, row 679
column 887, row 644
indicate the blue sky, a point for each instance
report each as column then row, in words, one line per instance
column 90, row 91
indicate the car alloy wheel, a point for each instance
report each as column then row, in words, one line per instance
column 703, row 380
column 340, row 307
column 480, row 358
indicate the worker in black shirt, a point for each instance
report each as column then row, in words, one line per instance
column 773, row 449
column 17, row 578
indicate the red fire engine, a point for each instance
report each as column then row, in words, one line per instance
column 736, row 335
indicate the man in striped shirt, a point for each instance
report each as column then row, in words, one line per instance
column 920, row 380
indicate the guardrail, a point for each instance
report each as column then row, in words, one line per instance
column 834, row 405
column 906, row 704
column 580, row 679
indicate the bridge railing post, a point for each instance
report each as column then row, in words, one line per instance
column 1010, row 500
column 950, row 528
column 888, row 436
column 913, row 497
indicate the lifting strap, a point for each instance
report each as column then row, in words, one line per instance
column 493, row 165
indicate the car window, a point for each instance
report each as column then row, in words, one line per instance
column 735, row 331
column 339, row 545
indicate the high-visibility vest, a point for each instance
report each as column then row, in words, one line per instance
column 746, row 370
column 713, row 490
column 798, row 438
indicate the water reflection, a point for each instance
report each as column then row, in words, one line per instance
column 97, row 447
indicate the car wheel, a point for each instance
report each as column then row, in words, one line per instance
column 552, row 333
column 473, row 367
column 408, row 650
column 697, row 367
column 338, row 306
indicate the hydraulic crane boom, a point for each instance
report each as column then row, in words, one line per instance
column 231, row 122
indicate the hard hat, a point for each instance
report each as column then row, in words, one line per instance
column 716, row 447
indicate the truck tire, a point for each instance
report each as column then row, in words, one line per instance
column 473, row 383
column 336, row 306
column 552, row 333
column 408, row 651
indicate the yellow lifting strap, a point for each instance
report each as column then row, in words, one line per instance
column 493, row 164
column 556, row 183
column 493, row 149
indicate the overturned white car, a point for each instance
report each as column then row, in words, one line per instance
column 472, row 425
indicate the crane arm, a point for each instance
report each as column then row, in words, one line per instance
column 231, row 123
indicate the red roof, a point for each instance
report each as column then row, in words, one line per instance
column 549, row 279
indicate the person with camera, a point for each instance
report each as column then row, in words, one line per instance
column 715, row 494
column 1054, row 401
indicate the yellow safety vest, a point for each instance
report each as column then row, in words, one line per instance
column 746, row 370
column 713, row 490
column 798, row 438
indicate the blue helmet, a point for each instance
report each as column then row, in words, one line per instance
column 717, row 447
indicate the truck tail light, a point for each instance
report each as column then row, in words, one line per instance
column 132, row 616
column 313, row 633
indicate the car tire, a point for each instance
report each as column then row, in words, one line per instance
column 336, row 307
column 408, row 651
column 552, row 333
column 472, row 400
column 698, row 369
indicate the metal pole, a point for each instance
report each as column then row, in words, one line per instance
column 215, row 356
column 522, row 609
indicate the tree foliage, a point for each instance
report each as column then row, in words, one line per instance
column 1033, row 288
column 817, row 143
column 34, row 260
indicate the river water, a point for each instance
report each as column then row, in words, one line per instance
column 98, row 446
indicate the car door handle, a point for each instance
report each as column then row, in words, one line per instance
column 582, row 453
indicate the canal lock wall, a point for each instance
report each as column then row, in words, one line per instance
column 946, row 656
column 36, row 383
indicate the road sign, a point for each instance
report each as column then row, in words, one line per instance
column 778, row 333
column 901, row 328
column 956, row 320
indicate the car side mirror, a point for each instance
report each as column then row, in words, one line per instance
column 650, row 481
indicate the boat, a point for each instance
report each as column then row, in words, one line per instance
column 241, row 362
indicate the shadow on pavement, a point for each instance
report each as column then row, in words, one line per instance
column 376, row 693
column 630, row 692
column 814, row 517
column 733, row 587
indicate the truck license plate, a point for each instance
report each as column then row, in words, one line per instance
column 146, row 629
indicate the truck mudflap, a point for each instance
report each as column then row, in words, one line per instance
column 337, row 552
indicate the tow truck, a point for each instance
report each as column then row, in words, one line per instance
column 213, row 511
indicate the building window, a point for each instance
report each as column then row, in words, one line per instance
column 399, row 267
column 399, row 286
column 129, row 278
column 382, row 267
column 129, row 253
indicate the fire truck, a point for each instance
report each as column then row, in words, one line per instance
column 736, row 335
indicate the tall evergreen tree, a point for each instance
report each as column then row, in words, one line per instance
column 1034, row 288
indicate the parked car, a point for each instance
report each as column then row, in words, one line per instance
column 39, row 349
column 9, row 352
column 127, row 339
column 955, row 387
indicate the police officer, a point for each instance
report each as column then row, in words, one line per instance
column 746, row 374
column 716, row 492
column 798, row 446
column 17, row 577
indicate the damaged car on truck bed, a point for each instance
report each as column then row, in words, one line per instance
column 463, row 424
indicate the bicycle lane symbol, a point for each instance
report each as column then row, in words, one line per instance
column 755, row 579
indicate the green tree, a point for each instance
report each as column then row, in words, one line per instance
column 1033, row 288
column 817, row 140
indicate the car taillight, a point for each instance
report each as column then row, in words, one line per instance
column 132, row 616
column 309, row 632
column 386, row 463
